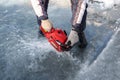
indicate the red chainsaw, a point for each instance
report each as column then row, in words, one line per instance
column 56, row 37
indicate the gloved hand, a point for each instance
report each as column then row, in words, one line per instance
column 47, row 25
column 73, row 38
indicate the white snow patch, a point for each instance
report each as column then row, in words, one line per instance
column 107, row 3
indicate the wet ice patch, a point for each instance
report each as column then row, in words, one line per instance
column 13, row 2
column 60, row 3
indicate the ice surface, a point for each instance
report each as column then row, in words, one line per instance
column 24, row 56
column 106, row 67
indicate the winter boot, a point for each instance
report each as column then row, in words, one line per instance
column 82, row 40
column 40, row 33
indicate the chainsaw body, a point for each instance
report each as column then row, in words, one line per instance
column 56, row 37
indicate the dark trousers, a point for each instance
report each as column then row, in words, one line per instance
column 74, row 3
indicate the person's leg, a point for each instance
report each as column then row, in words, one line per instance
column 78, row 28
column 82, row 38
column 45, row 4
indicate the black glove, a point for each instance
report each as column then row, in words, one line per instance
column 66, row 47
